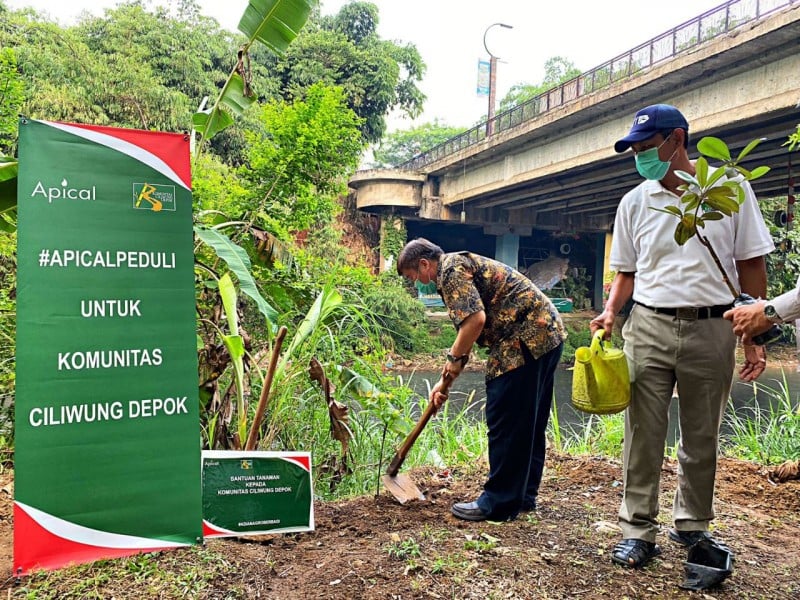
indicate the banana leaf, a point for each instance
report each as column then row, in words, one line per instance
column 239, row 263
column 274, row 23
column 235, row 345
column 329, row 300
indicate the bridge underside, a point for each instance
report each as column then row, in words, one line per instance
column 585, row 198
column 558, row 171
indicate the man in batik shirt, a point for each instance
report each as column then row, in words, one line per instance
column 497, row 307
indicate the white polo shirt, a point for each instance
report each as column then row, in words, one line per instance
column 669, row 275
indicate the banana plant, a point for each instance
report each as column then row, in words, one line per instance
column 274, row 23
column 707, row 198
column 235, row 345
column 239, row 263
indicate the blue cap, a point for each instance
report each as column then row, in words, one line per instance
column 650, row 121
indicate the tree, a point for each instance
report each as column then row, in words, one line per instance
column 298, row 167
column 156, row 67
column 400, row 146
column 376, row 75
column 557, row 70
column 129, row 68
column 11, row 88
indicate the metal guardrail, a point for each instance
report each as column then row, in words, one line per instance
column 710, row 24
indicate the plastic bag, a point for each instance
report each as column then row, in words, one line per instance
column 600, row 380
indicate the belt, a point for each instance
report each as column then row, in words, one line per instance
column 690, row 314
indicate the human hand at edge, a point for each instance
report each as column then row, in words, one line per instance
column 605, row 320
column 437, row 396
column 755, row 361
column 748, row 320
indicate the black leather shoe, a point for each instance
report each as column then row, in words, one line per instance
column 469, row 511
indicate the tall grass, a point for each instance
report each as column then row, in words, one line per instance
column 768, row 435
column 596, row 435
column 453, row 436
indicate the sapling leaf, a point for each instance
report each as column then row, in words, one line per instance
column 670, row 210
column 759, row 172
column 720, row 192
column 687, row 177
column 688, row 198
column 723, row 203
column 684, row 232
column 749, row 148
column 743, row 172
column 712, row 215
column 701, row 171
column 740, row 193
column 692, row 204
column 718, row 174
column 714, row 148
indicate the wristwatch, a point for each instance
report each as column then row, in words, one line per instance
column 771, row 314
column 462, row 359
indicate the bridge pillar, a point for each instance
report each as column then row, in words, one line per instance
column 506, row 249
column 602, row 251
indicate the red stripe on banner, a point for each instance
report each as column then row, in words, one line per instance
column 303, row 461
column 210, row 531
column 171, row 149
column 36, row 548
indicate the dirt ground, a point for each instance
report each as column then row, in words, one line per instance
column 375, row 548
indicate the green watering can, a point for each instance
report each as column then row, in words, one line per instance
column 601, row 383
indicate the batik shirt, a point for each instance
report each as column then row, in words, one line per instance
column 517, row 312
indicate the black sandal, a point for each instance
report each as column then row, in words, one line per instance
column 634, row 553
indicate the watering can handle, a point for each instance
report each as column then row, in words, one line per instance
column 598, row 344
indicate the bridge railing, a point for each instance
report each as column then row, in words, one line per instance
column 710, row 24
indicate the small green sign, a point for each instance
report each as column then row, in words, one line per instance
column 256, row 492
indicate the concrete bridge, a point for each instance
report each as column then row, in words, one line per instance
column 548, row 170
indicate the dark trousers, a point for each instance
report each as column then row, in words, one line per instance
column 517, row 410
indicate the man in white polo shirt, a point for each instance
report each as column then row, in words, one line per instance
column 675, row 333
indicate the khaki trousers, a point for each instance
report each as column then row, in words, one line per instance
column 700, row 357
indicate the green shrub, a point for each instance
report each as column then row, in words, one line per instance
column 578, row 335
column 400, row 315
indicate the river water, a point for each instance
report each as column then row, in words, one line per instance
column 470, row 387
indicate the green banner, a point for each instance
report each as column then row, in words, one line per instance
column 107, row 426
column 256, row 492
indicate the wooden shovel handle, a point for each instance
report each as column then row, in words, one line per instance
column 402, row 451
column 252, row 439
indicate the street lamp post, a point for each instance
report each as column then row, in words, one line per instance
column 492, row 79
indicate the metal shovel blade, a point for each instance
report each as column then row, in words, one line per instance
column 402, row 487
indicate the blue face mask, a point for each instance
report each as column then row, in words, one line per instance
column 650, row 166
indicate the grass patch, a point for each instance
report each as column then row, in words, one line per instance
column 184, row 573
column 768, row 435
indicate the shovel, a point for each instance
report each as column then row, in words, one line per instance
column 401, row 486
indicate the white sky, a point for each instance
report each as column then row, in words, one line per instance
column 449, row 36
